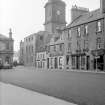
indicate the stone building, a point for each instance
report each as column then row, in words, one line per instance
column 83, row 39
column 29, row 48
column 6, row 48
column 34, row 45
column 56, row 53
column 21, row 53
column 87, row 32
column 43, row 37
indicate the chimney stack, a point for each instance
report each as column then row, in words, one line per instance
column 77, row 11
column 102, row 6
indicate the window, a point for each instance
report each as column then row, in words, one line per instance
column 69, row 47
column 61, row 47
column 79, row 31
column 48, row 49
column 69, row 33
column 60, row 60
column 29, row 39
column 54, row 47
column 82, row 60
column 98, row 43
column 99, row 26
column 41, row 37
column 51, row 48
column 26, row 39
column 43, row 56
column 67, row 59
column 86, row 44
column 86, row 29
column 73, row 61
column 78, row 45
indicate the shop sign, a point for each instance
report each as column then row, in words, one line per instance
column 98, row 52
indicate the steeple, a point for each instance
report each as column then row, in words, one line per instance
column 10, row 33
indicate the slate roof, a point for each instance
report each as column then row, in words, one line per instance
column 87, row 17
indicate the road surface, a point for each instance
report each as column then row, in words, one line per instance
column 82, row 88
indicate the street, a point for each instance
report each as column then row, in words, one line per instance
column 82, row 88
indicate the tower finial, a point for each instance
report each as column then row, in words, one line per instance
column 10, row 33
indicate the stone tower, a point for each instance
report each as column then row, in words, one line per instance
column 54, row 15
column 10, row 33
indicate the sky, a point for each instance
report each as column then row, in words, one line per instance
column 27, row 16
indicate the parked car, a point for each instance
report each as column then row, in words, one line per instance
column 7, row 66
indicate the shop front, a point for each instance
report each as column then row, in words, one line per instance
column 99, row 59
column 80, row 61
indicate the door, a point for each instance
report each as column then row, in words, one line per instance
column 56, row 63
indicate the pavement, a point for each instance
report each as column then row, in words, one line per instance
column 13, row 95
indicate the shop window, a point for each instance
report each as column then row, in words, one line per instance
column 67, row 59
column 82, row 60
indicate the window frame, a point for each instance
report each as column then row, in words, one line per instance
column 78, row 31
column 86, row 30
column 99, row 26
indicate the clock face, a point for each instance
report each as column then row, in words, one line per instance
column 2, row 46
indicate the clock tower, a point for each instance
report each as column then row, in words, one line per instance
column 54, row 15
